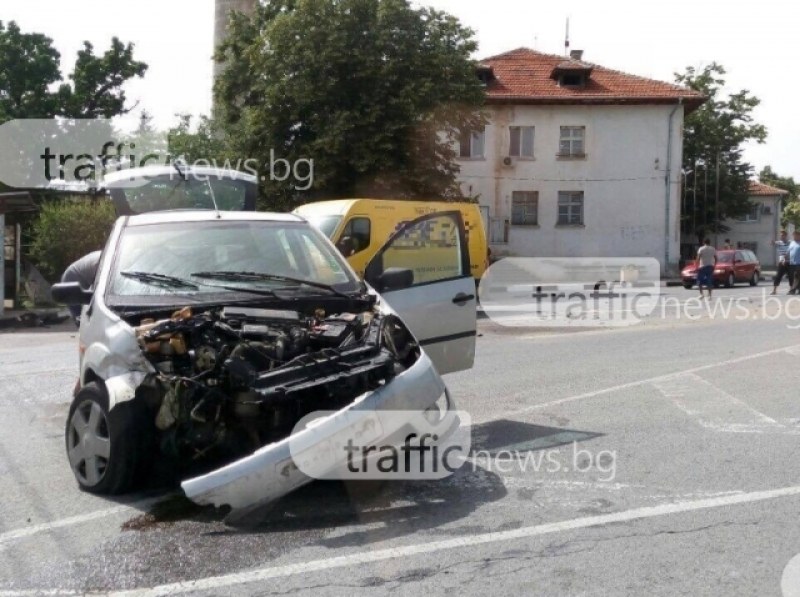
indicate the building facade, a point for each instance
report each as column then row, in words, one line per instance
column 577, row 160
column 759, row 229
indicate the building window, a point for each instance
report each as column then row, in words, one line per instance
column 521, row 141
column 752, row 215
column 472, row 143
column 571, row 141
column 525, row 208
column 573, row 80
column 570, row 208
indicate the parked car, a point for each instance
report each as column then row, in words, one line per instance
column 740, row 265
column 209, row 334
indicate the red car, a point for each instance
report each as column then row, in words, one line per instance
column 740, row 265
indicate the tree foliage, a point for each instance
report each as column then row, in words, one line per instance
column 32, row 86
column 374, row 91
column 68, row 229
column 714, row 138
column 787, row 183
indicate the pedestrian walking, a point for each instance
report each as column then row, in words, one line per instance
column 794, row 261
column 782, row 251
column 706, row 260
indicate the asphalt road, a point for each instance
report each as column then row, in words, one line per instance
column 668, row 463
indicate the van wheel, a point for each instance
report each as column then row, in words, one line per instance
column 102, row 447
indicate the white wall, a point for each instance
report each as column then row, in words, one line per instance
column 762, row 231
column 622, row 177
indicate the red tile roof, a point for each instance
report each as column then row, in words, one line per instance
column 524, row 76
column 759, row 189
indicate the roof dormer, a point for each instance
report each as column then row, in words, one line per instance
column 572, row 72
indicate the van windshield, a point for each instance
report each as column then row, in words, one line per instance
column 326, row 224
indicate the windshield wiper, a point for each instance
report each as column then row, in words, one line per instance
column 262, row 277
column 162, row 280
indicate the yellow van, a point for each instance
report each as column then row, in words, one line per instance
column 359, row 227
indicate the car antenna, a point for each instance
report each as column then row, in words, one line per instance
column 213, row 198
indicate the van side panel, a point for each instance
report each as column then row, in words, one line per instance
column 387, row 215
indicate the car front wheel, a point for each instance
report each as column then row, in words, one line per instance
column 102, row 446
column 754, row 279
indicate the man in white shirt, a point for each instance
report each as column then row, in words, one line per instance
column 706, row 260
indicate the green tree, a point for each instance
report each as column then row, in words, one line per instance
column 791, row 215
column 32, row 86
column 67, row 229
column 373, row 91
column 201, row 142
column 714, row 136
column 787, row 183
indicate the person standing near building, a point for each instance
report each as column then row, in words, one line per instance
column 706, row 260
column 782, row 249
column 794, row 261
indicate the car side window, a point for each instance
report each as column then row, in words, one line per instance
column 355, row 236
column 430, row 248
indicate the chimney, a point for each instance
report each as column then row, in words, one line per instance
column 576, row 54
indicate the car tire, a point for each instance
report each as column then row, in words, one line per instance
column 103, row 448
column 754, row 280
column 687, row 285
column 730, row 281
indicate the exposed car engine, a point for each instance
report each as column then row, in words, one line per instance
column 232, row 379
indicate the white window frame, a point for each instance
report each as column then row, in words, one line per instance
column 528, row 201
column 571, row 140
column 525, row 136
column 753, row 216
column 477, row 145
column 573, row 212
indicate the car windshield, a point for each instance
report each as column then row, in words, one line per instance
column 725, row 257
column 162, row 259
column 326, row 224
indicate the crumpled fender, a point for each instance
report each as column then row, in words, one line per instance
column 122, row 388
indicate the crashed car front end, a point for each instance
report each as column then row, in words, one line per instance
column 224, row 387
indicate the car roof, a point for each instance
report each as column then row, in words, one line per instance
column 208, row 215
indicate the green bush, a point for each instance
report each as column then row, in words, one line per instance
column 68, row 229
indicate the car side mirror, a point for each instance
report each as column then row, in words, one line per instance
column 71, row 293
column 395, row 278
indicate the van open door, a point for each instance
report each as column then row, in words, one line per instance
column 423, row 272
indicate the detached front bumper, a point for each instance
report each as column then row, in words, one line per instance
column 270, row 472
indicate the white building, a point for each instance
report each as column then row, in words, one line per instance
column 577, row 159
column 758, row 229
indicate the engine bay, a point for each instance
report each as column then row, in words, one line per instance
column 232, row 379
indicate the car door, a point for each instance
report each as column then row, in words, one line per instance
column 739, row 266
column 436, row 299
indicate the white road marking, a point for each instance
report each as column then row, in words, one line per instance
column 635, row 384
column 398, row 553
column 715, row 409
column 44, row 527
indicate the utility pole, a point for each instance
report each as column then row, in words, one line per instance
column 716, row 206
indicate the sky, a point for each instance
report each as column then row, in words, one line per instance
column 756, row 42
